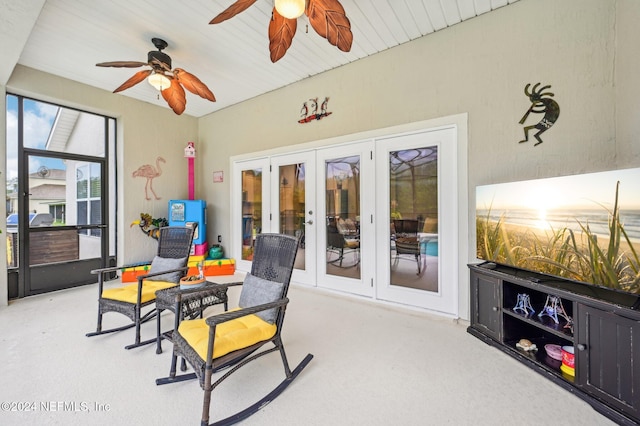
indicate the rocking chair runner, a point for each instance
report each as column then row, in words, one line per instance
column 230, row 339
column 168, row 266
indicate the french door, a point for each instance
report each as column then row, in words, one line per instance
column 376, row 218
column 346, row 236
column 416, row 205
column 277, row 195
column 293, row 210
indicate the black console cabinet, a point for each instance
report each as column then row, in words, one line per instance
column 604, row 331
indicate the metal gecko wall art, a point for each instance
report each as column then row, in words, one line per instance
column 541, row 102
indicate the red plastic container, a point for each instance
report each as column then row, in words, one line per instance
column 568, row 357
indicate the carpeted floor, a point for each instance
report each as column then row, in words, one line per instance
column 373, row 365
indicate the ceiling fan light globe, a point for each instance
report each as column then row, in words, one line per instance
column 290, row 9
column 159, row 81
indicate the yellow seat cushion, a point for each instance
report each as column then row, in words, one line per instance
column 230, row 336
column 129, row 293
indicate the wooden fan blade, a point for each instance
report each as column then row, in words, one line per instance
column 122, row 64
column 281, row 32
column 233, row 10
column 329, row 20
column 137, row 78
column 193, row 84
column 175, row 96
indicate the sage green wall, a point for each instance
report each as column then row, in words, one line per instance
column 479, row 68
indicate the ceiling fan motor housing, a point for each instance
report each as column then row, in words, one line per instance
column 159, row 56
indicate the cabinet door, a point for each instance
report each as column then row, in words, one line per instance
column 608, row 358
column 485, row 305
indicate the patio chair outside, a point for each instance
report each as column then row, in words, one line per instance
column 167, row 267
column 406, row 240
column 342, row 238
column 235, row 338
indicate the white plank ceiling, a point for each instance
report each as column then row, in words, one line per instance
column 70, row 36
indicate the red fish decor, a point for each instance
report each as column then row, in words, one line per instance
column 309, row 111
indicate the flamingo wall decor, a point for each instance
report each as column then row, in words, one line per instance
column 149, row 172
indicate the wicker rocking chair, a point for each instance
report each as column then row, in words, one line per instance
column 230, row 339
column 167, row 267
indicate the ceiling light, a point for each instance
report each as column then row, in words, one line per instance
column 290, row 9
column 159, row 81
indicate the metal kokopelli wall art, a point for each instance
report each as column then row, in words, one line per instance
column 541, row 102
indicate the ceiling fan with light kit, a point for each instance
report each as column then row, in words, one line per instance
column 327, row 17
column 169, row 82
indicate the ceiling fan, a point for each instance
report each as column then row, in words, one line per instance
column 162, row 77
column 327, row 17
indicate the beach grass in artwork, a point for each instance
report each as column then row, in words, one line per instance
column 598, row 245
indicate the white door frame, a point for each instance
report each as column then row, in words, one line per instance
column 465, row 250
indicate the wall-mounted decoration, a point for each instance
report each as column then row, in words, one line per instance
column 149, row 172
column 190, row 155
column 190, row 150
column 150, row 226
column 309, row 111
column 218, row 176
column 541, row 102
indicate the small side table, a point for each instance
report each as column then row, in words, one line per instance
column 193, row 302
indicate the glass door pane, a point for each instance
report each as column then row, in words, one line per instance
column 413, row 206
column 342, row 192
column 251, row 209
column 291, row 179
column 11, row 175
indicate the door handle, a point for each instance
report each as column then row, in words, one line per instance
column 310, row 222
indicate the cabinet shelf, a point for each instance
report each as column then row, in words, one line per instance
column 545, row 323
column 540, row 357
